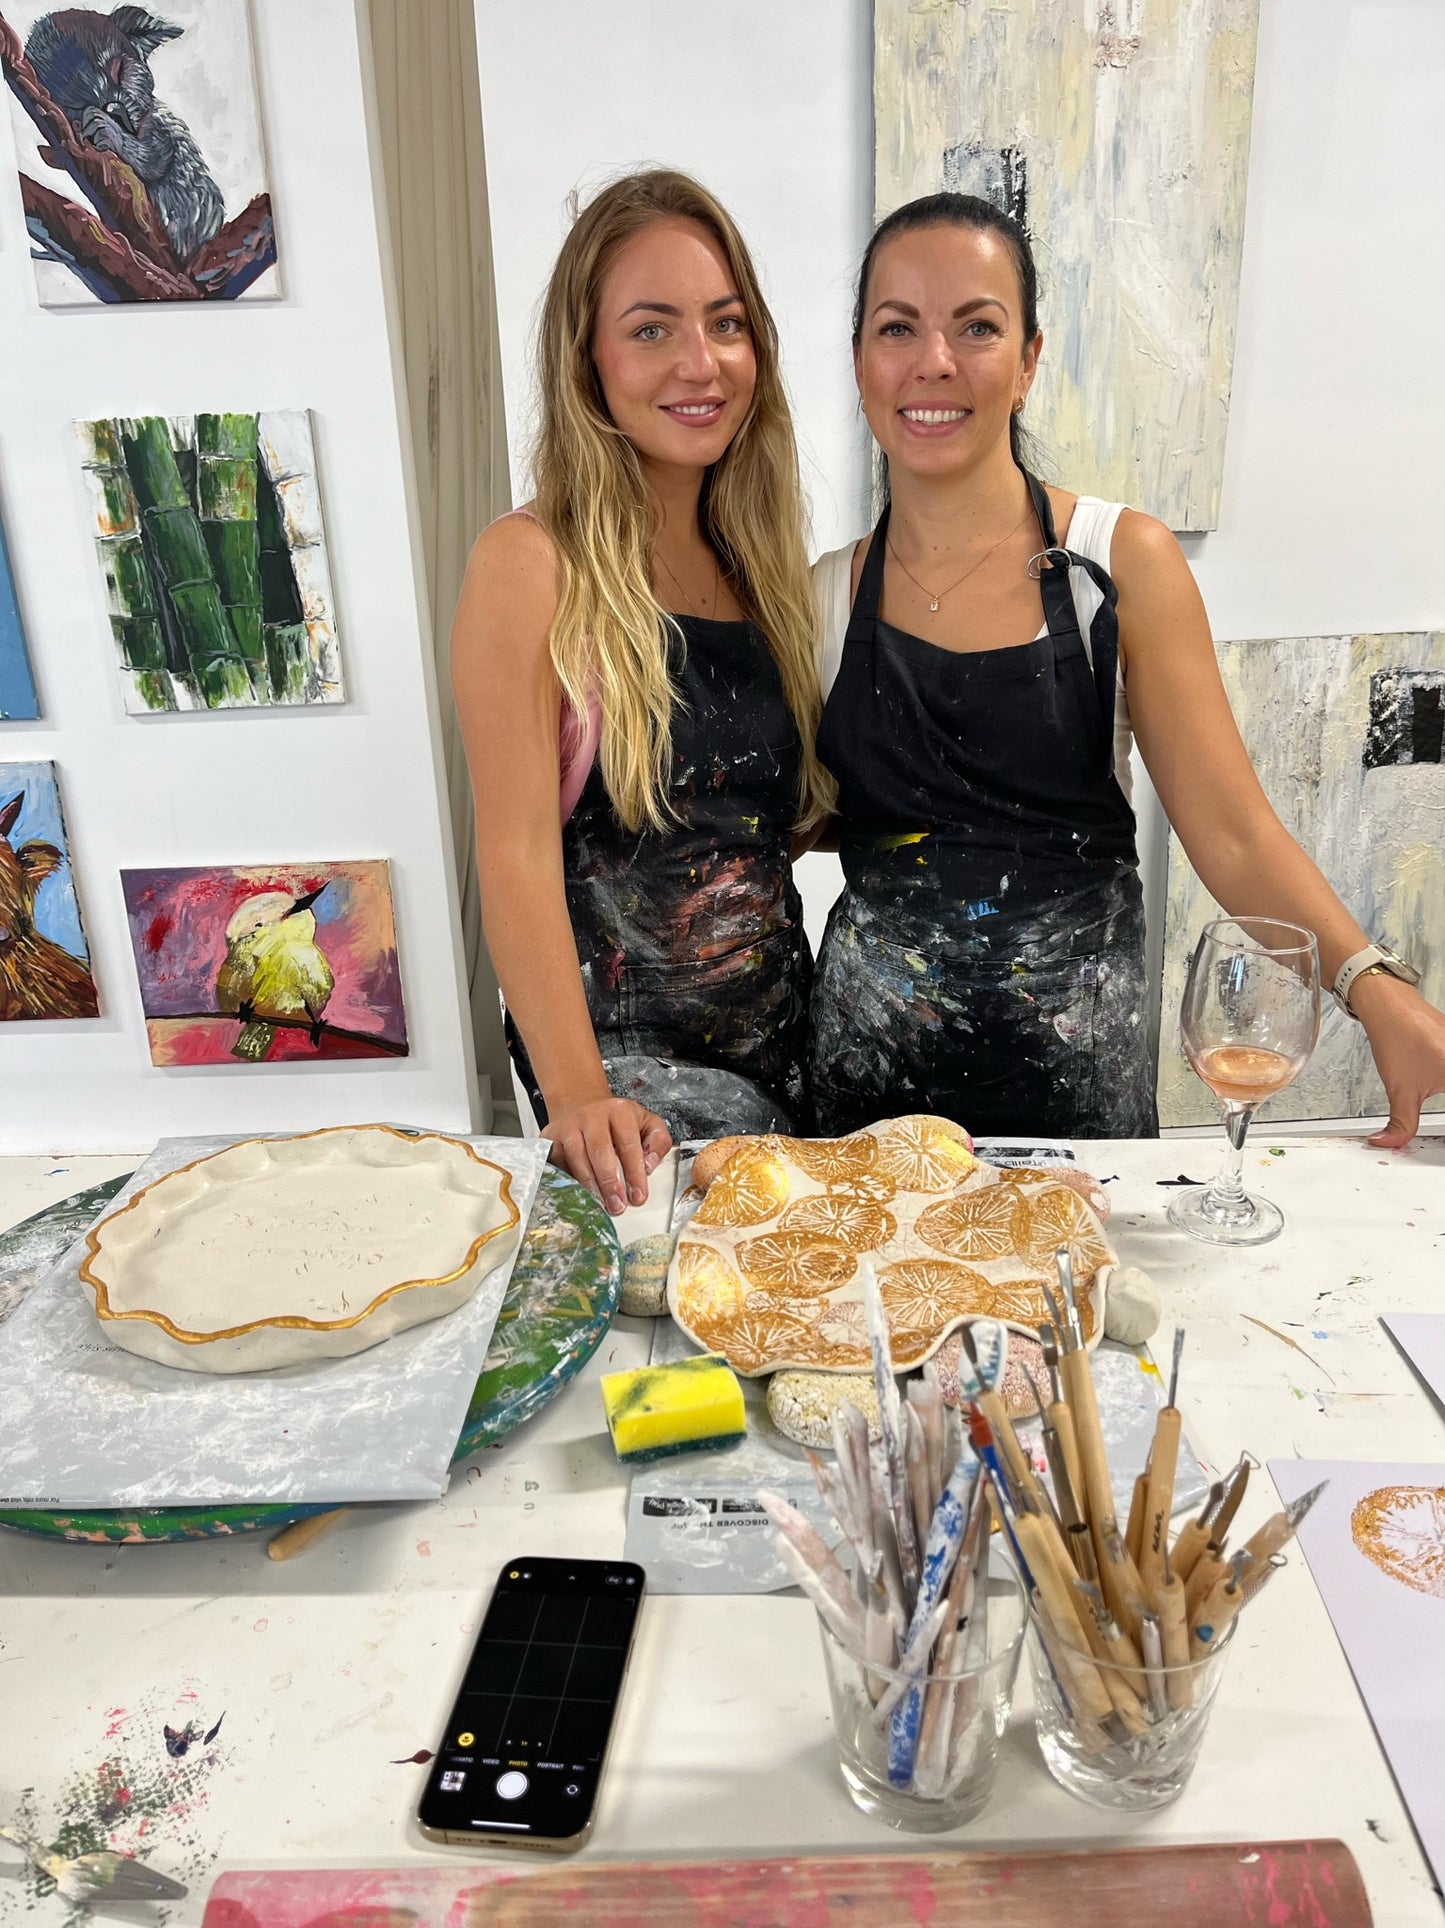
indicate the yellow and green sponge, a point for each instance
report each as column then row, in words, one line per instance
column 656, row 1411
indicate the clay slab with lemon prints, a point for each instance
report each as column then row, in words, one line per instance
column 767, row 1270
column 281, row 1251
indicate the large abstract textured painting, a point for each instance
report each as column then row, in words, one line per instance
column 138, row 138
column 44, row 962
column 1118, row 133
column 270, row 964
column 17, row 685
column 1348, row 736
column 209, row 534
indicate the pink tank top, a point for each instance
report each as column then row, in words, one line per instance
column 578, row 736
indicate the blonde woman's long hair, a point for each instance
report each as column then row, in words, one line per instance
column 609, row 639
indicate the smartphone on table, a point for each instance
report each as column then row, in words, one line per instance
column 521, row 1760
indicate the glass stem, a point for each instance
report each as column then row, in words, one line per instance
column 1226, row 1197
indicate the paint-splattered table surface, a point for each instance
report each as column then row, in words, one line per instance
column 334, row 1670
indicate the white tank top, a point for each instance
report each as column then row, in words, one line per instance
column 1090, row 533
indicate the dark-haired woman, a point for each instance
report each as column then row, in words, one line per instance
column 991, row 649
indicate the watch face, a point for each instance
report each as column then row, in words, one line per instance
column 1397, row 965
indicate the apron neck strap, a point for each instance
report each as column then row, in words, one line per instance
column 870, row 583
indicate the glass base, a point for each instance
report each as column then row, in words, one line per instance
column 1149, row 1786
column 911, row 1813
column 1246, row 1220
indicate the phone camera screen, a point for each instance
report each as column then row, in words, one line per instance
column 523, row 1750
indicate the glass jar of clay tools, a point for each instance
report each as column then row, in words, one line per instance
column 919, row 1750
column 1120, row 1736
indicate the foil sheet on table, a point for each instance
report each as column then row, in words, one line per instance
column 84, row 1423
column 694, row 1521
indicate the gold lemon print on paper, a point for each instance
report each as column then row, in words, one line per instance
column 1402, row 1530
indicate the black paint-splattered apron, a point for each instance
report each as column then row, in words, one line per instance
column 691, row 940
column 986, row 959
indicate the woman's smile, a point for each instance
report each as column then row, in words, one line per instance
column 932, row 421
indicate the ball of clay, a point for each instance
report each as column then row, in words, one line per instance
column 1025, row 1356
column 801, row 1404
column 644, row 1276
column 711, row 1159
column 1131, row 1306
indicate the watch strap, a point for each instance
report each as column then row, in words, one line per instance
column 1371, row 958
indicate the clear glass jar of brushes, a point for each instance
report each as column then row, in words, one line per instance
column 1118, row 1736
column 919, row 1751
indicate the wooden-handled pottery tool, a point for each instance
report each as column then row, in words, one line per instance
column 1159, row 1487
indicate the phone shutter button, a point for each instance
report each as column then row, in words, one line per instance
column 512, row 1786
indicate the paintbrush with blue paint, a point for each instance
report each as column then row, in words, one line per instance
column 940, row 1554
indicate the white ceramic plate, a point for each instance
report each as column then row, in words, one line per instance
column 280, row 1251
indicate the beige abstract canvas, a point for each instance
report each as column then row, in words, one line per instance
column 1119, row 134
column 1348, row 736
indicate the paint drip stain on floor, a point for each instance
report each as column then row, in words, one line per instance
column 133, row 1796
column 1402, row 1530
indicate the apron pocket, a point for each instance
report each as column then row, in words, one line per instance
column 728, row 1009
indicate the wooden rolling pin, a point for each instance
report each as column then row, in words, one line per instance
column 1215, row 1885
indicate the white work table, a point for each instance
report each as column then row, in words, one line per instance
column 335, row 1667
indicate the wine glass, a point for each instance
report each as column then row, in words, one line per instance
column 1249, row 1021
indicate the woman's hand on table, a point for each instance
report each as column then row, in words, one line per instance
column 1407, row 1038
column 610, row 1145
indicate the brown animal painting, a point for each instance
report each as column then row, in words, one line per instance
column 41, row 975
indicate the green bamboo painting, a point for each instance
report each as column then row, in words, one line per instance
column 211, row 546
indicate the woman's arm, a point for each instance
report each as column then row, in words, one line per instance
column 1243, row 854
column 508, row 703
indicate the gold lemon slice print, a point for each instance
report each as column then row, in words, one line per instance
column 799, row 1260
column 867, row 1185
column 985, row 1224
column 749, row 1190
column 857, row 1223
column 1023, row 1302
column 832, row 1160
column 910, row 1346
column 1054, row 1216
column 924, row 1154
column 926, row 1293
column 759, row 1341
column 707, row 1286
column 1402, row 1529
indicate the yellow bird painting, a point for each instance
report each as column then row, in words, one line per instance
column 274, row 968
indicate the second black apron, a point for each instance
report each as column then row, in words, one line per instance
column 986, row 958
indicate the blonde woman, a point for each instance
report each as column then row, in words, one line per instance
column 634, row 666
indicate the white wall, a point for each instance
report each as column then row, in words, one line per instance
column 354, row 781
column 1338, row 415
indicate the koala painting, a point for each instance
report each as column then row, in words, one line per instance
column 161, row 156
column 97, row 67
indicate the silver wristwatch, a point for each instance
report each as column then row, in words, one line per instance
column 1374, row 957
